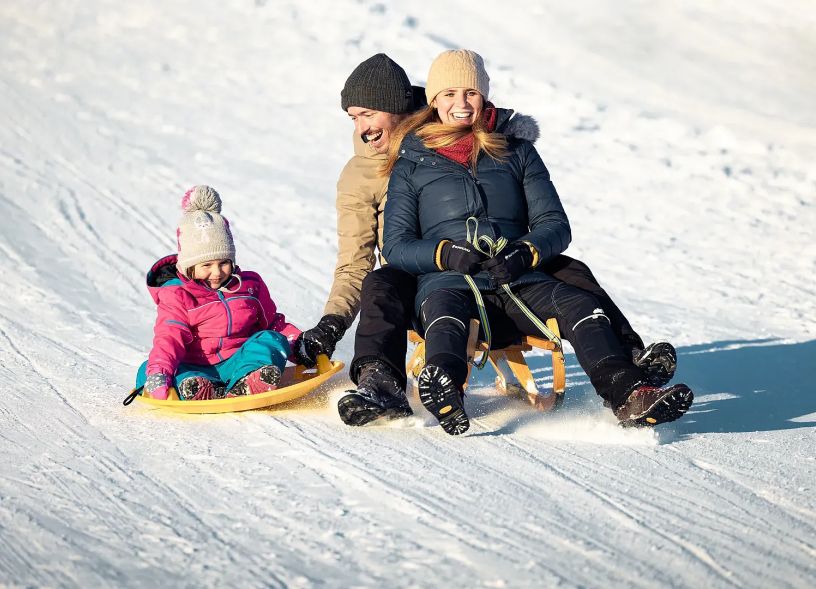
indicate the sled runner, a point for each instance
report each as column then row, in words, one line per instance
column 297, row 382
column 509, row 362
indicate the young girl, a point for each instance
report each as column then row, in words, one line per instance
column 218, row 332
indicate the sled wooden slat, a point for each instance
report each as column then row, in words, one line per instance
column 297, row 382
column 513, row 374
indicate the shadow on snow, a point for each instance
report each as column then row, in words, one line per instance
column 739, row 386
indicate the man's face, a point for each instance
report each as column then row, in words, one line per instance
column 374, row 126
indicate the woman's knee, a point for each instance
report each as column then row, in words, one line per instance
column 576, row 307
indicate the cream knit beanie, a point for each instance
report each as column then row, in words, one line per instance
column 457, row 68
column 203, row 234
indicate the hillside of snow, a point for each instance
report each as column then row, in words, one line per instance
column 681, row 139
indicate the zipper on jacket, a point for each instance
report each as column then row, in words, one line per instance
column 229, row 323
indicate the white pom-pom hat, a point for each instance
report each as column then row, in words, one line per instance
column 203, row 234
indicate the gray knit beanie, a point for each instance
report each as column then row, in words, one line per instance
column 379, row 83
column 203, row 234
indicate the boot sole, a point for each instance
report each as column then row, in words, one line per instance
column 673, row 405
column 446, row 405
column 356, row 411
column 655, row 372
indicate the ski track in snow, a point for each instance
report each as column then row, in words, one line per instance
column 684, row 158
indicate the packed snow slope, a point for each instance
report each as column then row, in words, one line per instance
column 681, row 137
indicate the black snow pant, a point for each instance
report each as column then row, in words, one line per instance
column 576, row 273
column 386, row 313
column 446, row 315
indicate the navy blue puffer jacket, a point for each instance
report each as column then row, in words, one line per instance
column 430, row 198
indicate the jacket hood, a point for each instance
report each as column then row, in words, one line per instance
column 164, row 270
column 518, row 127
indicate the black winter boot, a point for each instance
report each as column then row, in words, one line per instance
column 378, row 394
column 440, row 395
column 658, row 361
column 649, row 406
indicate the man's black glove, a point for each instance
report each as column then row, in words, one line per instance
column 461, row 256
column 510, row 263
column 320, row 339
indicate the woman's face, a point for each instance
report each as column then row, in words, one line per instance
column 458, row 106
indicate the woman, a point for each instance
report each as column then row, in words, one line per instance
column 451, row 174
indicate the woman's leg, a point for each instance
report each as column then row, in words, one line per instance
column 576, row 273
column 589, row 330
column 445, row 317
column 658, row 359
column 602, row 356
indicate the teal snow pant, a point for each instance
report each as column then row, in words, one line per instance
column 262, row 349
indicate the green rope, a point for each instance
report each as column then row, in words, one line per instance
column 491, row 248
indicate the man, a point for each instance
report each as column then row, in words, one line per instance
column 377, row 96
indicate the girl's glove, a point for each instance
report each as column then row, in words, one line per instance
column 460, row 256
column 320, row 339
column 510, row 263
column 158, row 386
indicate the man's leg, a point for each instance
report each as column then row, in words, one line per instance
column 380, row 344
column 385, row 315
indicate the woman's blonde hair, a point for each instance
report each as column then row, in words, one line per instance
column 435, row 135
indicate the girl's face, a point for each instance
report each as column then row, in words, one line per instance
column 458, row 106
column 214, row 272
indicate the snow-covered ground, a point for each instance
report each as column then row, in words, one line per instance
column 681, row 138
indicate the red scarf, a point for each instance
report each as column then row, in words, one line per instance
column 461, row 150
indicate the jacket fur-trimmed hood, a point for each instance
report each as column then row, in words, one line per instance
column 517, row 125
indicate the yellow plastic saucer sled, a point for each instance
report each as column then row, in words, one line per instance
column 298, row 382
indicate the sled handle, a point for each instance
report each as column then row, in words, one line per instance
column 323, row 363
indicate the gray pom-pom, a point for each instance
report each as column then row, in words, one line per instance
column 201, row 198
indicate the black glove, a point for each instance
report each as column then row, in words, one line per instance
column 510, row 263
column 320, row 339
column 461, row 256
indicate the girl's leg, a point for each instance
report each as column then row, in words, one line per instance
column 263, row 349
column 202, row 381
column 198, row 382
column 141, row 375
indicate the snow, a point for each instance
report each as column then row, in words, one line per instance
column 681, row 139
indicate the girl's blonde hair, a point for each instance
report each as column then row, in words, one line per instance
column 435, row 135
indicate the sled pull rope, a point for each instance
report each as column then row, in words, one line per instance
column 133, row 394
column 490, row 248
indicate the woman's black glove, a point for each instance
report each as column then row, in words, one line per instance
column 461, row 256
column 510, row 263
column 320, row 339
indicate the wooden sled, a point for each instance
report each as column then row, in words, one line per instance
column 297, row 382
column 513, row 374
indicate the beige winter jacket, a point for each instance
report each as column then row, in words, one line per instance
column 361, row 193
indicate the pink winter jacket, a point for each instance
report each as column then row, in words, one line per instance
column 199, row 325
